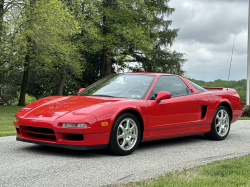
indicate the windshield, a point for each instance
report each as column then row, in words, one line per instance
column 197, row 87
column 133, row 86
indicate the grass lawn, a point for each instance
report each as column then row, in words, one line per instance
column 244, row 118
column 230, row 173
column 7, row 115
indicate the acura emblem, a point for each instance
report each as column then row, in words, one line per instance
column 40, row 116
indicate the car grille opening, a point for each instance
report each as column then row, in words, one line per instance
column 38, row 133
column 76, row 137
column 41, row 130
column 42, row 136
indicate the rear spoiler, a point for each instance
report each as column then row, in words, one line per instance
column 213, row 88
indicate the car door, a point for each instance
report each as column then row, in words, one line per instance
column 175, row 115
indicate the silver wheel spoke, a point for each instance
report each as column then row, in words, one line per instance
column 218, row 117
column 220, row 130
column 132, row 128
column 122, row 128
column 124, row 143
column 133, row 136
column 223, row 129
column 218, row 125
column 221, row 114
column 129, row 143
column 127, row 126
column 225, row 117
column 121, row 136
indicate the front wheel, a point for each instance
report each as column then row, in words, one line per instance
column 221, row 124
column 125, row 134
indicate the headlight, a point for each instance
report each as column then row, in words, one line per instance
column 84, row 125
column 17, row 119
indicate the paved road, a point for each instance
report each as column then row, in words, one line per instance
column 23, row 164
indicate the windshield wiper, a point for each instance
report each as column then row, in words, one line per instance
column 102, row 95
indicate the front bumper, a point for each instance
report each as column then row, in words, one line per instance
column 53, row 134
column 76, row 147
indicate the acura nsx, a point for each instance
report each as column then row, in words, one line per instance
column 122, row 110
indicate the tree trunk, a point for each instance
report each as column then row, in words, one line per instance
column 106, row 60
column 1, row 18
column 26, row 66
column 25, row 81
column 1, row 35
column 106, row 64
column 62, row 81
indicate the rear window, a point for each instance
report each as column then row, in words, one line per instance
column 197, row 87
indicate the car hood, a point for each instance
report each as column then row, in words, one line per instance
column 54, row 107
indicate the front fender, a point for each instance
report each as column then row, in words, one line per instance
column 110, row 112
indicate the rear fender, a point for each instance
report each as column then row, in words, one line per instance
column 227, row 104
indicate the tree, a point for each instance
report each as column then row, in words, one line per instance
column 8, row 72
column 122, row 31
column 43, row 37
column 1, row 18
column 134, row 31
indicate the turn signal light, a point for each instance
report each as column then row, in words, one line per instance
column 104, row 124
column 84, row 125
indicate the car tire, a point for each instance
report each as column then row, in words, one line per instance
column 221, row 123
column 125, row 134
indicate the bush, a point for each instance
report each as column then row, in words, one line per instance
column 243, row 104
column 246, row 112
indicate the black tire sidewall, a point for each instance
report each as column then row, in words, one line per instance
column 113, row 145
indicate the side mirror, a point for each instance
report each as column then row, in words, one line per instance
column 80, row 90
column 162, row 96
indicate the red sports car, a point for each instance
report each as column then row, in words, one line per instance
column 121, row 110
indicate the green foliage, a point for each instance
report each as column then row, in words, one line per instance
column 239, row 86
column 44, row 82
column 42, row 31
column 29, row 99
column 48, row 36
column 45, row 29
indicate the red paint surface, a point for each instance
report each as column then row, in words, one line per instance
column 174, row 117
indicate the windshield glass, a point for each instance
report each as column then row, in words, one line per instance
column 197, row 87
column 133, row 86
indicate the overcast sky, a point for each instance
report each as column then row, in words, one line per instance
column 207, row 32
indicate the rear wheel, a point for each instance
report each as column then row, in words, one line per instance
column 125, row 134
column 220, row 126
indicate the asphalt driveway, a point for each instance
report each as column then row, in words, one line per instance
column 24, row 164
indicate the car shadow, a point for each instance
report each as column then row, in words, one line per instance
column 48, row 150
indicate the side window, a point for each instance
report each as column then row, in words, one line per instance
column 172, row 84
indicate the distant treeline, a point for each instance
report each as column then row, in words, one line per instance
column 240, row 85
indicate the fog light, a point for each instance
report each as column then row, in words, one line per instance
column 84, row 125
